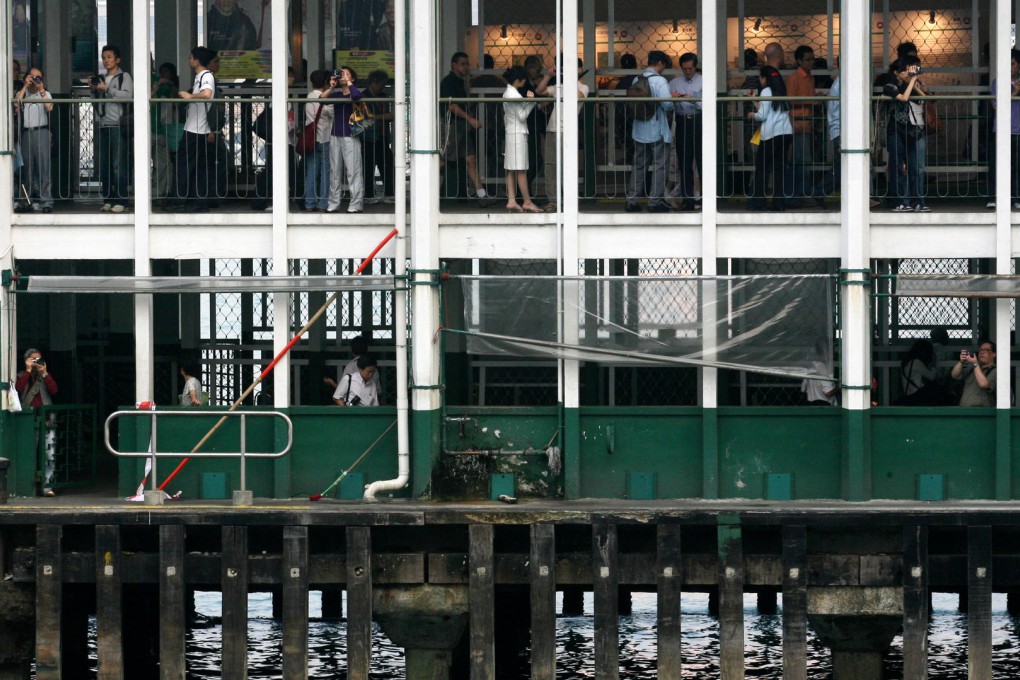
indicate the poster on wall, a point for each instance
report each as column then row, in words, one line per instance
column 365, row 25
column 364, row 62
column 240, row 31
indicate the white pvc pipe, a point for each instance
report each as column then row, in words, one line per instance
column 400, row 221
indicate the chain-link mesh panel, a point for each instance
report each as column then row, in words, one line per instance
column 69, row 434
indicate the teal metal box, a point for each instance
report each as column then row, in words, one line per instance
column 931, row 487
column 641, row 486
column 503, row 484
column 779, row 487
column 352, row 487
column 214, row 485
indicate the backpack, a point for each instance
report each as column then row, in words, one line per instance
column 641, row 87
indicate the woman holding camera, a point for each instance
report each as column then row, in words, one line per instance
column 344, row 147
column 905, row 134
column 35, row 387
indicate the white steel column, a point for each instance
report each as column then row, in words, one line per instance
column 566, row 111
column 425, row 65
column 315, row 39
column 281, row 301
column 1000, row 70
column 855, row 236
column 142, row 135
column 8, row 336
column 55, row 36
column 712, row 36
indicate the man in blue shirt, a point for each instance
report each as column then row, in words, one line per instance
column 652, row 139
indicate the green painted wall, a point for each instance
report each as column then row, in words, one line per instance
column 327, row 440
column 956, row 442
column 802, row 442
column 618, row 441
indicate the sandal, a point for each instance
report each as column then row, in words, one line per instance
column 531, row 208
column 514, row 209
column 550, row 207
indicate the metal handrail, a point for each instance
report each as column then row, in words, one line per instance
column 243, row 454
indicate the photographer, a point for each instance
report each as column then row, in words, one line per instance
column 35, row 138
column 114, row 123
column 35, row 387
column 977, row 371
column 906, row 135
column 360, row 388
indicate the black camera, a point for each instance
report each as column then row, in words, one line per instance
column 336, row 72
column 38, row 362
column 35, row 79
column 355, row 400
column 95, row 80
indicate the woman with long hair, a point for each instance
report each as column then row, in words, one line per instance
column 776, row 137
column 515, row 158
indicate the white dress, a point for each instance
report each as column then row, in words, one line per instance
column 515, row 120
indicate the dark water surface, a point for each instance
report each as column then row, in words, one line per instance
column 575, row 646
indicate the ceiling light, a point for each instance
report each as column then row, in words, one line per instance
column 503, row 32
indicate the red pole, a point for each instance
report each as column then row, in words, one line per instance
column 272, row 364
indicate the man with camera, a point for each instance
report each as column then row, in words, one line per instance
column 977, row 371
column 36, row 387
column 359, row 388
column 35, row 138
column 113, row 121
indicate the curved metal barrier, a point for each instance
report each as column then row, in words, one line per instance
column 153, row 453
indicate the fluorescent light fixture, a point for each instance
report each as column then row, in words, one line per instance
column 757, row 25
column 931, row 17
column 503, row 32
column 676, row 27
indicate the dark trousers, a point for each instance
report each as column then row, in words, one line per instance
column 114, row 159
column 377, row 154
column 688, row 153
column 194, row 167
column 771, row 160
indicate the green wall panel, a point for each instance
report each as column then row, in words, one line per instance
column 617, row 441
column 958, row 443
column 756, row 442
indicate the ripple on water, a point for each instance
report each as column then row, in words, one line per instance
column 327, row 642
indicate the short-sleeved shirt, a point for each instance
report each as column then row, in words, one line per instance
column 974, row 395
column 686, row 87
column 800, row 84
column 197, row 120
column 353, row 387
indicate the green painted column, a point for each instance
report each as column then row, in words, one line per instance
column 856, row 471
column 572, row 452
column 1003, row 456
column 425, row 449
column 710, row 453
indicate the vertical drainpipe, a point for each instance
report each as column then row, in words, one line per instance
column 400, row 295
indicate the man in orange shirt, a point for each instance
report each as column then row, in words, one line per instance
column 801, row 83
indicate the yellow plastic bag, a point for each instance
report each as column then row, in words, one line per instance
column 756, row 137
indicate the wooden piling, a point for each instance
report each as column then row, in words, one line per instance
column 669, row 581
column 48, row 601
column 172, row 603
column 234, row 583
column 606, row 581
column 542, row 571
column 109, row 603
column 359, row 602
column 731, row 602
column 795, row 602
column 481, row 594
column 294, row 602
column 979, row 603
column 915, row 602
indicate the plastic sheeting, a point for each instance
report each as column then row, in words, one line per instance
column 968, row 286
column 779, row 325
column 136, row 285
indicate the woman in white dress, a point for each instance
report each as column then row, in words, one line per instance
column 515, row 121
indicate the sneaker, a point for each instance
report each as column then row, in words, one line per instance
column 117, row 208
column 903, row 207
column 371, row 200
column 389, row 199
column 1016, row 205
column 922, row 208
column 49, row 493
column 990, row 204
column 633, row 207
column 107, row 207
column 480, row 194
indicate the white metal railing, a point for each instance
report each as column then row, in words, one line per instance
column 153, row 453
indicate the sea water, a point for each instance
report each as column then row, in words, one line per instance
column 575, row 642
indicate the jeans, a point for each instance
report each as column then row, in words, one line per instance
column 803, row 156
column 906, row 162
column 114, row 149
column 317, row 177
column 656, row 153
column 688, row 153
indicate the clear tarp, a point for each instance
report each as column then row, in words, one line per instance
column 968, row 286
column 780, row 325
column 204, row 284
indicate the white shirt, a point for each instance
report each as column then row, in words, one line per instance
column 366, row 392
column 352, row 367
column 774, row 120
column 325, row 125
column 691, row 87
column 197, row 121
column 554, row 119
column 832, row 110
column 34, row 115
